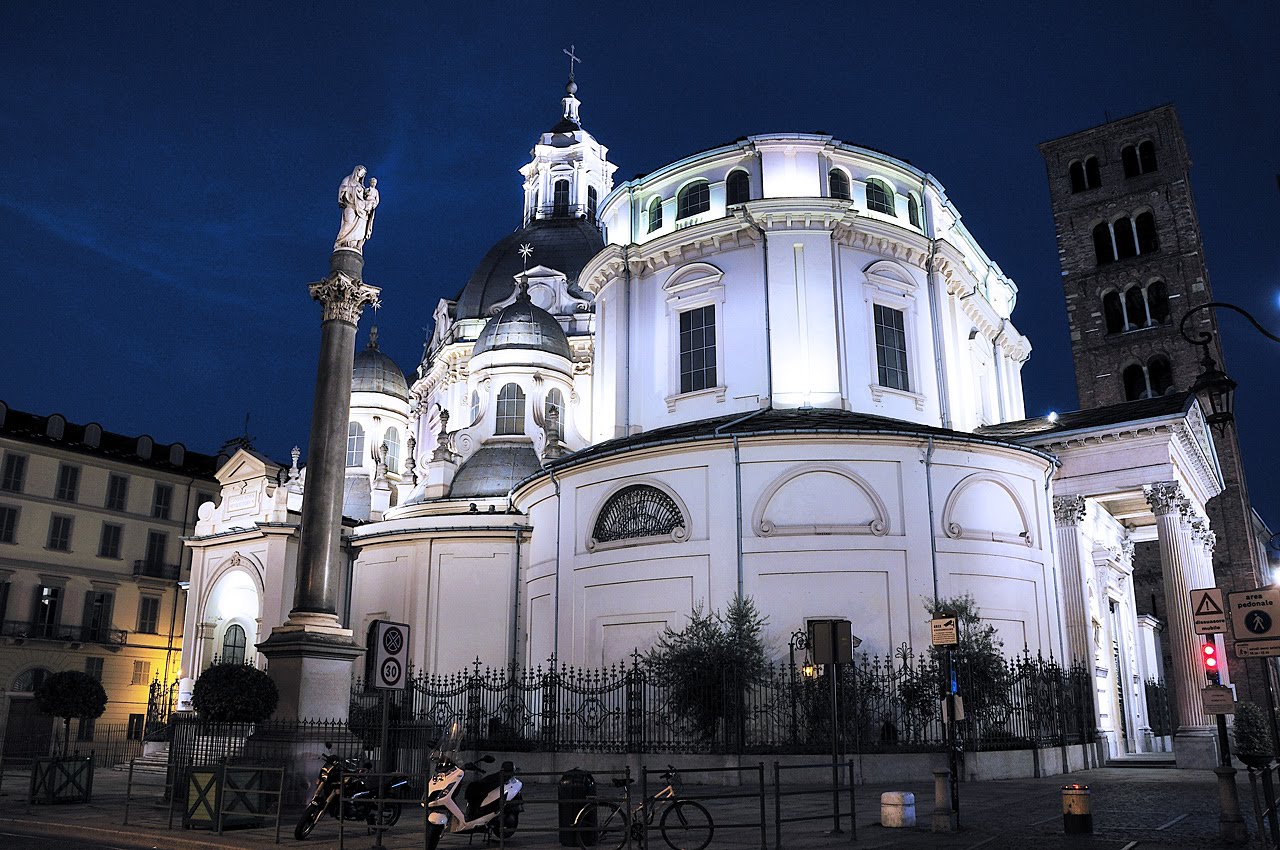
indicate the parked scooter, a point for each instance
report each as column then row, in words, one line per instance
column 472, row 807
column 357, row 791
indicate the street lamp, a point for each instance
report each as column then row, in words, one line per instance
column 1213, row 384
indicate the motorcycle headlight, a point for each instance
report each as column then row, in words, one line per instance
column 437, row 795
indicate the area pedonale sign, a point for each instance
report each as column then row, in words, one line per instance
column 1255, row 617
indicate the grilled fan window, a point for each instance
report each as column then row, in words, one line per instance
column 637, row 511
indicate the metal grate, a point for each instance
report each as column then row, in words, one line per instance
column 637, row 511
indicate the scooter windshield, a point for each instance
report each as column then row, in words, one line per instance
column 449, row 745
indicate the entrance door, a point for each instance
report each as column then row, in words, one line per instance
column 28, row 733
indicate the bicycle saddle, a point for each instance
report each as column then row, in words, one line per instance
column 622, row 781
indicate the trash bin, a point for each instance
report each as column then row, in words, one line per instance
column 576, row 787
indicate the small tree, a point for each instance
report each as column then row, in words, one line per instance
column 708, row 665
column 1253, row 738
column 234, row 693
column 979, row 657
column 69, row 694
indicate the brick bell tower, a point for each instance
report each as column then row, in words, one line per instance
column 1133, row 265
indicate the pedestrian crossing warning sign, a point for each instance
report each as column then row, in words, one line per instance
column 1209, row 611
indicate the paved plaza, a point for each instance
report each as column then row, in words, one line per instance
column 1132, row 807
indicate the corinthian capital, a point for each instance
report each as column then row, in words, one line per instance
column 1165, row 497
column 344, row 297
column 1068, row 510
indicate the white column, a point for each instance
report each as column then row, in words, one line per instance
column 1178, row 569
column 1068, row 513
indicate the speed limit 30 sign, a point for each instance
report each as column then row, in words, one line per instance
column 388, row 655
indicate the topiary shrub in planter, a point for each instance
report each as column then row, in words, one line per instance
column 234, row 693
column 69, row 694
column 1253, row 738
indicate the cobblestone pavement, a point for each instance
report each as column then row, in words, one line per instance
column 1133, row 808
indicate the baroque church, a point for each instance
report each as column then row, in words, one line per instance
column 781, row 368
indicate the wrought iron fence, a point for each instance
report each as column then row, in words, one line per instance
column 882, row 704
column 1159, row 712
column 110, row 743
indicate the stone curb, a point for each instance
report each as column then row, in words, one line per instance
column 137, row 839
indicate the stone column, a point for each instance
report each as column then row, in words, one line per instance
column 1194, row 743
column 311, row 654
column 1068, row 513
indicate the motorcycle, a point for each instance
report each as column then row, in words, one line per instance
column 472, row 807
column 353, row 799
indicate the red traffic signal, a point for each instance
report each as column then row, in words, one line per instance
column 1209, row 658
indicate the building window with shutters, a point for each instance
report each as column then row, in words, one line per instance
column 157, row 544
column 162, row 501
column 117, row 492
column 68, row 483
column 109, row 543
column 59, row 533
column 148, row 615
column 48, row 610
column 15, row 473
column 93, row 668
column 8, row 524
column 141, row 673
column 96, row 624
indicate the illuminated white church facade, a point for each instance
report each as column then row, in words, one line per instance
column 781, row 367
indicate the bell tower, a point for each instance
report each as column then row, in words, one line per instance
column 569, row 172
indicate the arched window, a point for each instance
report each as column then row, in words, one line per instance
column 838, row 185
column 1147, row 157
column 1135, row 383
column 655, row 214
column 555, row 402
column 475, row 407
column 560, row 198
column 1122, row 234
column 1160, row 375
column 638, row 511
column 355, row 444
column 737, row 188
column 1129, row 159
column 1092, row 174
column 1158, row 302
column 28, row 680
column 693, row 199
column 1076, row 172
column 1102, row 246
column 392, row 439
column 880, row 197
column 1113, row 312
column 233, row 645
column 913, row 211
column 510, row 410
column 1135, row 306
column 591, row 203
column 1145, row 227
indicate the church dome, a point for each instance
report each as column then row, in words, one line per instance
column 563, row 244
column 523, row 325
column 493, row 470
column 375, row 372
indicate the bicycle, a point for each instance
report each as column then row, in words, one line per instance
column 685, row 824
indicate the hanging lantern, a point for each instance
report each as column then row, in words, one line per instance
column 1216, row 388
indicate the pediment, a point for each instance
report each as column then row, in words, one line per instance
column 246, row 465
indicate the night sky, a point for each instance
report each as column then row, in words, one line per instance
column 173, row 167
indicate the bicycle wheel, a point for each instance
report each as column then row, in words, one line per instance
column 601, row 824
column 686, row 825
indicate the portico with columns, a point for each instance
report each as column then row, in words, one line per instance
column 1133, row 540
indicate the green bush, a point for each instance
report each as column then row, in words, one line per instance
column 1253, row 738
column 709, row 665
column 234, row 693
column 69, row 694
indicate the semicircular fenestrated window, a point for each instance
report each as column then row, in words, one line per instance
column 28, row 680
column 636, row 512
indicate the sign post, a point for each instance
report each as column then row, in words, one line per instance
column 944, row 631
column 831, row 642
column 387, row 670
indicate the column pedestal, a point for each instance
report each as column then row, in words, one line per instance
column 1196, row 748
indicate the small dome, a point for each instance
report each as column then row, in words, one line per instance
column 523, row 324
column 493, row 470
column 375, row 372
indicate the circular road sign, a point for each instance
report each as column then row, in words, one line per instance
column 392, row 640
column 390, row 672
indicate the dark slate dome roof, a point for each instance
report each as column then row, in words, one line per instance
column 494, row 469
column 375, row 372
column 563, row 244
column 524, row 325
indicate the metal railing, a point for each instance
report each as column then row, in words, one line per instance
column 155, row 569
column 883, row 705
column 28, row 630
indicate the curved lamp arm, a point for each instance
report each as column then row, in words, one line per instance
column 1206, row 337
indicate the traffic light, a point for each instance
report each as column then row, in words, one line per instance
column 1209, row 658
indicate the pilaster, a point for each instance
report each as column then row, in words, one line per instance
column 1068, row 513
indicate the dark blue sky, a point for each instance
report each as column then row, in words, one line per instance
column 173, row 167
